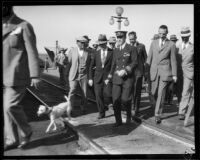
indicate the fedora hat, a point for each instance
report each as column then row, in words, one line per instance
column 81, row 39
column 62, row 50
column 86, row 37
column 185, row 32
column 120, row 33
column 112, row 40
column 102, row 39
column 173, row 37
column 156, row 36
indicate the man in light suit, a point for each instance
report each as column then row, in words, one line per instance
column 186, row 51
column 20, row 69
column 163, row 68
column 124, row 62
column 102, row 61
column 79, row 61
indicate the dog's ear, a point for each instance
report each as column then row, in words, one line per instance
column 67, row 99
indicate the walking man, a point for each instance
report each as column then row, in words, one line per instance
column 124, row 62
column 139, row 71
column 186, row 50
column 102, row 62
column 20, row 69
column 163, row 68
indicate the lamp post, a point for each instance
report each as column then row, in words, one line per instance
column 119, row 12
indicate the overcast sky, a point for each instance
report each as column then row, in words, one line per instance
column 66, row 22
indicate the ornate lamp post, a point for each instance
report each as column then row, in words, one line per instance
column 119, row 12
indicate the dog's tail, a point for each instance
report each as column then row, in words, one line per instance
column 67, row 99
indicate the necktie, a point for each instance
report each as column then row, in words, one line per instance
column 162, row 43
column 103, row 58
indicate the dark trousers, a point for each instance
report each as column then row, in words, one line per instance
column 169, row 93
column 137, row 87
column 122, row 96
column 102, row 94
column 61, row 72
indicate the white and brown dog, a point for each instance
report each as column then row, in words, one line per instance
column 55, row 113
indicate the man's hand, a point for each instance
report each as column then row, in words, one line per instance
column 90, row 82
column 35, row 82
column 174, row 78
column 106, row 81
column 122, row 73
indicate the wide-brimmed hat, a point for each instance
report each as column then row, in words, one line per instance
column 156, row 36
column 112, row 40
column 185, row 32
column 120, row 33
column 81, row 39
column 62, row 50
column 102, row 39
column 86, row 37
column 173, row 37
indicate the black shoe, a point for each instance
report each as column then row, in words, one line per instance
column 106, row 108
column 181, row 116
column 25, row 141
column 117, row 125
column 128, row 120
column 101, row 116
column 10, row 146
column 157, row 120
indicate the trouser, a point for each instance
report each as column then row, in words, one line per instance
column 61, row 72
column 178, row 88
column 137, row 87
column 102, row 93
column 169, row 92
column 158, row 91
column 122, row 95
column 186, row 94
column 14, row 117
column 82, row 83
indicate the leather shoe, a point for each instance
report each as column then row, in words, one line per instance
column 128, row 120
column 10, row 146
column 101, row 116
column 106, row 108
column 25, row 141
column 181, row 116
column 157, row 120
column 117, row 125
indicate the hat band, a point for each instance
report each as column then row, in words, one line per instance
column 185, row 32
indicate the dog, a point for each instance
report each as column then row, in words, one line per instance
column 55, row 113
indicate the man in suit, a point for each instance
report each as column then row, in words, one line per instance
column 102, row 61
column 79, row 61
column 138, row 72
column 112, row 43
column 124, row 62
column 186, row 50
column 20, row 69
column 163, row 68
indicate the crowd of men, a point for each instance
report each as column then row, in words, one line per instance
column 114, row 68
column 117, row 70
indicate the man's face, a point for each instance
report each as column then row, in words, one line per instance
column 185, row 39
column 121, row 40
column 103, row 46
column 81, row 45
column 162, row 33
column 132, row 38
column 112, row 45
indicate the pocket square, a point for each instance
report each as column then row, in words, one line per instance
column 16, row 31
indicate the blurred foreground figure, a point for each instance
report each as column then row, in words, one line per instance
column 20, row 69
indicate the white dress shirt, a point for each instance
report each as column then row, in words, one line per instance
column 161, row 41
column 80, row 52
column 184, row 45
column 105, row 51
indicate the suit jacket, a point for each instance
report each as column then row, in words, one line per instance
column 187, row 60
column 162, row 61
column 142, row 56
column 20, row 55
column 124, row 59
column 100, row 74
column 73, row 62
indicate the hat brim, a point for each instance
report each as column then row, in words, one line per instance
column 173, row 39
column 111, row 41
column 101, row 42
column 186, row 35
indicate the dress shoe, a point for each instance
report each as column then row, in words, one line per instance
column 25, row 141
column 106, row 108
column 110, row 105
column 101, row 116
column 157, row 120
column 117, row 125
column 128, row 120
column 181, row 116
column 10, row 146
